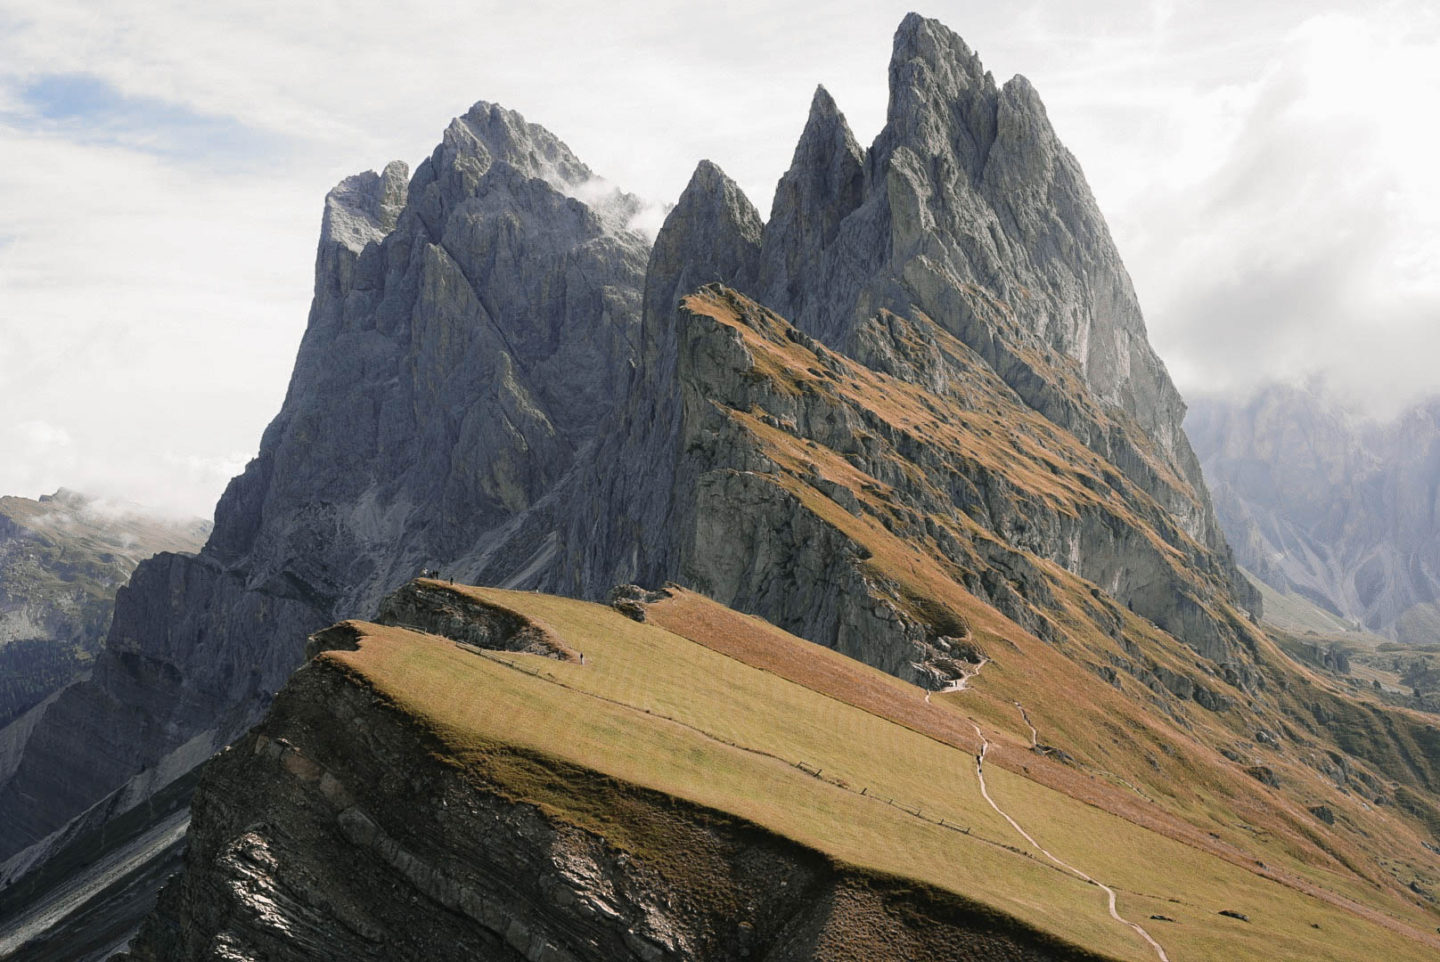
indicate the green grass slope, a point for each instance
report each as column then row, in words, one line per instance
column 1197, row 725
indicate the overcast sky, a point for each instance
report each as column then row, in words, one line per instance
column 1267, row 168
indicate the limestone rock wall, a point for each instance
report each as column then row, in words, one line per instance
column 497, row 381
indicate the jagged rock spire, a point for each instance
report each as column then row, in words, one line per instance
column 825, row 183
column 469, row 332
column 827, row 170
column 490, row 134
column 712, row 234
column 363, row 208
column 941, row 96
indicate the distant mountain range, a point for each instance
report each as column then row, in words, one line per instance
column 1323, row 504
column 62, row 558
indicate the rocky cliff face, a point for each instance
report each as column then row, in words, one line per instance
column 778, row 458
column 968, row 209
column 1320, row 503
column 961, row 256
column 62, row 558
column 470, row 330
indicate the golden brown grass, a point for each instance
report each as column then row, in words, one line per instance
column 727, row 723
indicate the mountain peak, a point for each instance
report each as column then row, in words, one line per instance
column 825, row 183
column 822, row 105
column 826, row 134
column 712, row 234
column 364, row 207
column 720, row 204
column 710, row 186
column 942, row 100
column 921, row 43
column 496, row 134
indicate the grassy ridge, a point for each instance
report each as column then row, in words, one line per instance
column 652, row 709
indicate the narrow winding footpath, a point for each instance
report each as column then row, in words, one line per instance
column 960, row 684
column 985, row 791
column 1034, row 735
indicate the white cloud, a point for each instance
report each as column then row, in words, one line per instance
column 141, row 307
column 1299, row 239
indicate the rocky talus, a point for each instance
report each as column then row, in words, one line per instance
column 1324, row 504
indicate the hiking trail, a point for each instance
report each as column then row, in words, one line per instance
column 985, row 791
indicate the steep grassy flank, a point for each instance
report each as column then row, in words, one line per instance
column 1231, row 817
column 847, row 762
column 945, row 487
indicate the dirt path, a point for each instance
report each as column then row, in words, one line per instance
column 1034, row 735
column 985, row 791
column 959, row 684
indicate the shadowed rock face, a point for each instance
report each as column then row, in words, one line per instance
column 469, row 331
column 1324, row 505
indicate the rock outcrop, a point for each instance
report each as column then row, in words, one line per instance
column 1328, row 506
